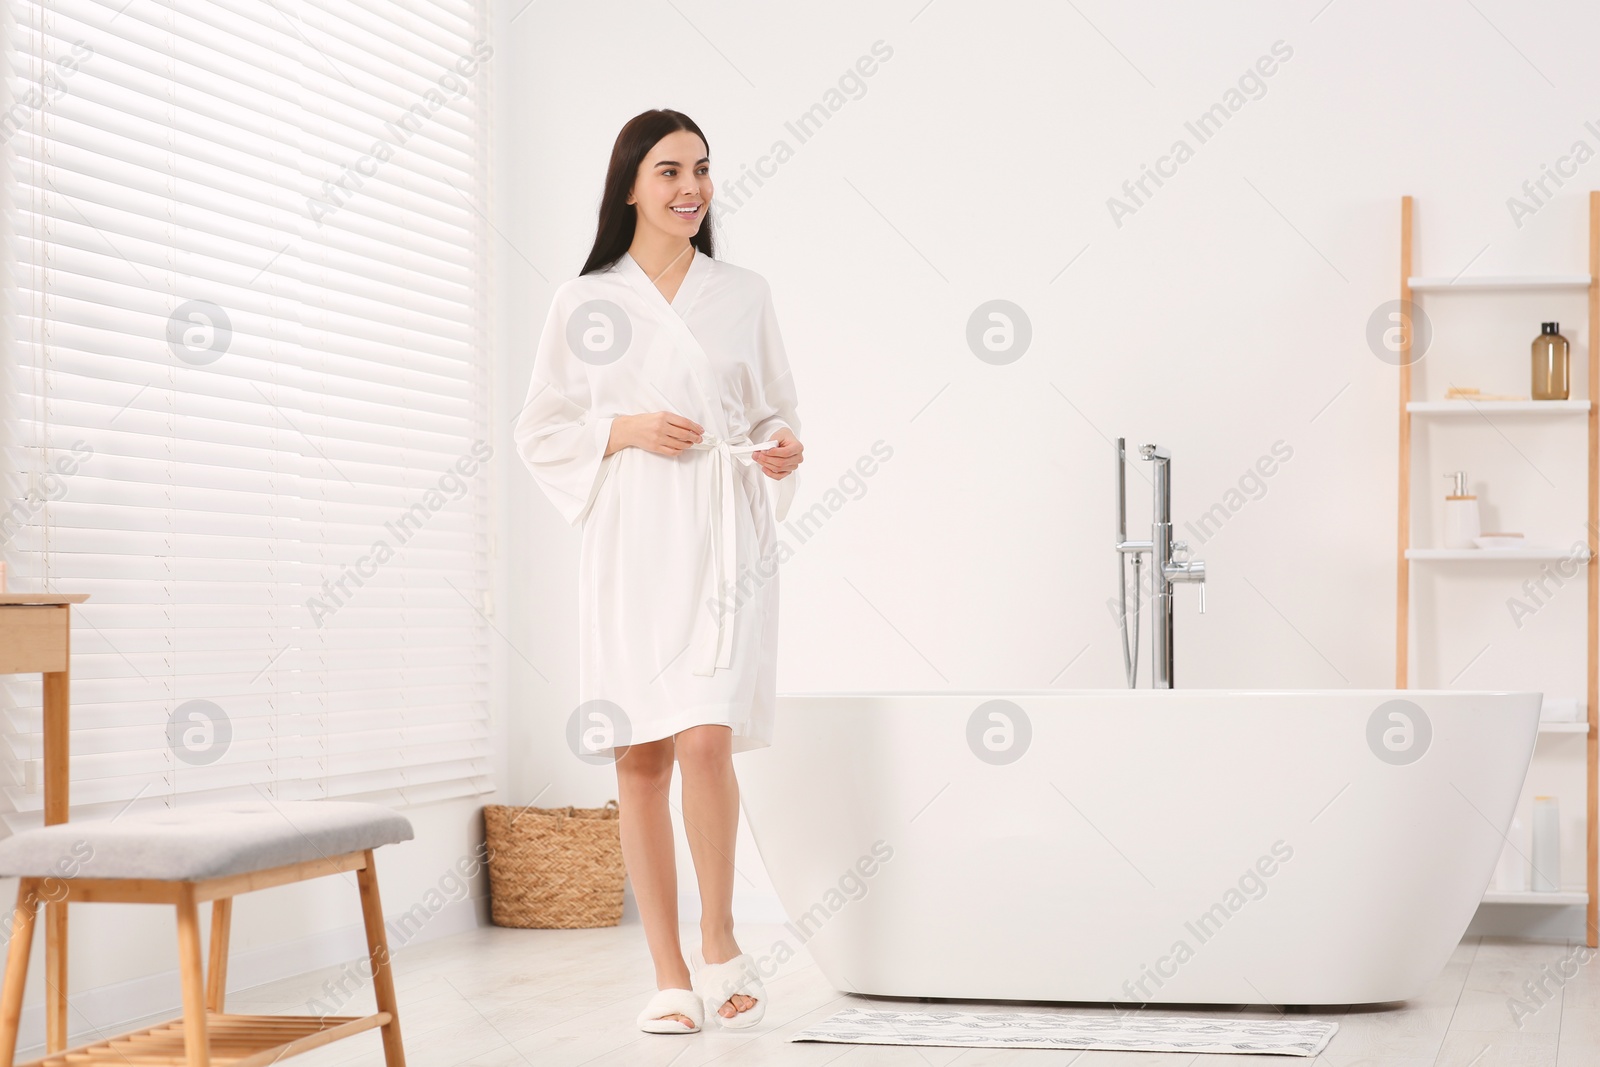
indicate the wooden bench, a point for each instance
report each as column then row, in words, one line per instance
column 182, row 857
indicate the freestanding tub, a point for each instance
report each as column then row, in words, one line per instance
column 1137, row 846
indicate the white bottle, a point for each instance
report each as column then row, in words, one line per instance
column 1460, row 514
column 1546, row 845
column 1511, row 876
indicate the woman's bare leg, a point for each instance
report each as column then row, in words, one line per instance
column 644, row 774
column 711, row 822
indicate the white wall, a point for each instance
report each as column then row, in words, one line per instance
column 1225, row 314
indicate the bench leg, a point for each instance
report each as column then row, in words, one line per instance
column 16, row 979
column 191, row 968
column 217, row 971
column 55, row 972
column 394, row 1054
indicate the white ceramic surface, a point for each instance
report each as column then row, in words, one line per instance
column 1128, row 854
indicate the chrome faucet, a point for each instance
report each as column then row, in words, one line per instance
column 1169, row 563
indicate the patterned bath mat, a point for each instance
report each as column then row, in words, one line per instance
column 1137, row 1032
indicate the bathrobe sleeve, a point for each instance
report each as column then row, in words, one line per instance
column 557, row 433
column 776, row 399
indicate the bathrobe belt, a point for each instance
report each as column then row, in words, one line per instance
column 714, row 645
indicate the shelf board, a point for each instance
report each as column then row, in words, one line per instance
column 1500, row 281
column 234, row 1038
column 1499, row 407
column 1497, row 554
column 1565, row 896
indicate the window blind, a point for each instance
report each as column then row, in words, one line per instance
column 246, row 396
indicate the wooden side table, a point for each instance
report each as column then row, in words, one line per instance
column 36, row 635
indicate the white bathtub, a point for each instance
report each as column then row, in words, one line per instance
column 1191, row 846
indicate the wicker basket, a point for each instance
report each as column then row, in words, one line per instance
column 554, row 867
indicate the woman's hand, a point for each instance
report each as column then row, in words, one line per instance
column 661, row 432
column 779, row 461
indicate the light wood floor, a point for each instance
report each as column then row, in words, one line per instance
column 560, row 998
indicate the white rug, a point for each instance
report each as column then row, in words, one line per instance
column 1133, row 1032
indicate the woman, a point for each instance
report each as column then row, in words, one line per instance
column 660, row 404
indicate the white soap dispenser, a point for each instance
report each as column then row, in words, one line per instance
column 1461, row 527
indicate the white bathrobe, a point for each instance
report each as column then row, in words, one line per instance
column 677, row 577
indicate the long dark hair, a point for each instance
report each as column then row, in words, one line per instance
column 614, row 232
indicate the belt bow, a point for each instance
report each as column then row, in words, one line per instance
column 715, row 643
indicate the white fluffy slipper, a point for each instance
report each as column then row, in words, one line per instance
column 652, row 1020
column 718, row 982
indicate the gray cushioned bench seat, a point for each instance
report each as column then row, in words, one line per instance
column 202, row 841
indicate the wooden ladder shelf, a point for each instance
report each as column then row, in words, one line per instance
column 1590, row 282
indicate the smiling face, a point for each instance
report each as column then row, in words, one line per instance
column 675, row 174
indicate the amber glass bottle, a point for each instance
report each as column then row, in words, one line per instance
column 1552, row 364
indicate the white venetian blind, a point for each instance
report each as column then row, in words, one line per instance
column 245, row 396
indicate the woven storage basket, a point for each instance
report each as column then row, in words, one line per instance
column 554, row 867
